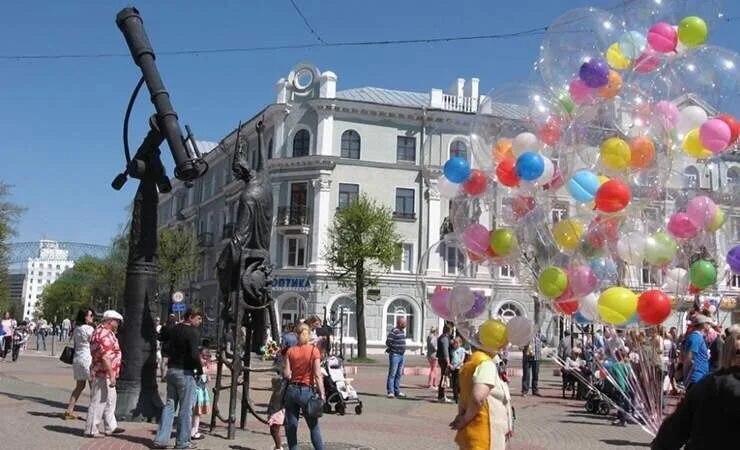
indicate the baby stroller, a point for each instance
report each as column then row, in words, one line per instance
column 339, row 393
column 20, row 336
column 595, row 399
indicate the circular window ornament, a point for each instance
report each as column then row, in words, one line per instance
column 303, row 79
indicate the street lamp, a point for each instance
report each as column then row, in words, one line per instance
column 137, row 388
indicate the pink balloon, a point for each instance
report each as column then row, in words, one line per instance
column 580, row 93
column 647, row 62
column 441, row 303
column 681, row 226
column 667, row 113
column 701, row 210
column 715, row 135
column 476, row 238
column 581, row 280
column 662, row 37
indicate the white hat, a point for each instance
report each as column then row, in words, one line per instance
column 112, row 314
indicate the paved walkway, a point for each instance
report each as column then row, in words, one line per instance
column 34, row 391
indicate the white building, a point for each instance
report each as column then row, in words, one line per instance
column 41, row 270
column 328, row 146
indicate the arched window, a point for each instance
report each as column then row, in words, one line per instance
column 733, row 176
column 691, row 178
column 459, row 148
column 350, row 144
column 292, row 309
column 344, row 308
column 509, row 310
column 301, row 143
column 400, row 308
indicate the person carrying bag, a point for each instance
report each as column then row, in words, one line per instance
column 305, row 391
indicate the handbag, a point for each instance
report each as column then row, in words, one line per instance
column 67, row 355
column 315, row 405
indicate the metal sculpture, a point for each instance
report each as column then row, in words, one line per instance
column 244, row 281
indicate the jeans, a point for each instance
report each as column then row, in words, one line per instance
column 180, row 391
column 296, row 399
column 41, row 340
column 531, row 369
column 455, row 383
column 443, row 366
column 395, row 370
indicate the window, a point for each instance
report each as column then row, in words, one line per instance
column 647, row 276
column 454, row 260
column 733, row 176
column 348, row 193
column 651, row 214
column 558, row 213
column 295, row 252
column 301, row 143
column 269, row 149
column 58, row 266
column 400, row 309
column 404, row 203
column 506, row 271
column 691, row 178
column 343, row 309
column 405, row 263
column 292, row 309
column 351, row 144
column 508, row 310
column 734, row 281
column 735, row 228
column 458, row 148
column 406, row 149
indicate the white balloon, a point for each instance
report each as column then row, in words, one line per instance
column 447, row 188
column 461, row 300
column 690, row 118
column 521, row 331
column 676, row 281
column 525, row 142
column 548, row 173
column 631, row 248
column 588, row 306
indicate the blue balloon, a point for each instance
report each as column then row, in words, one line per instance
column 583, row 185
column 530, row 166
column 580, row 318
column 632, row 44
column 605, row 269
column 457, row 169
column 634, row 320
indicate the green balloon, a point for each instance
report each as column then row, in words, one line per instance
column 553, row 281
column 703, row 274
column 566, row 102
column 692, row 31
column 503, row 242
column 660, row 249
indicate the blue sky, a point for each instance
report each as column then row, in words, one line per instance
column 60, row 119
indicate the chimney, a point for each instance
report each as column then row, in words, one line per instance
column 328, row 85
column 281, row 88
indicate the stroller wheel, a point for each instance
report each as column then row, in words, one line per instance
column 327, row 408
column 603, row 408
column 358, row 409
column 590, row 407
column 341, row 409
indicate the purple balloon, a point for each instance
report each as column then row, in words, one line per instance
column 476, row 238
column 733, row 259
column 479, row 306
column 595, row 73
column 581, row 280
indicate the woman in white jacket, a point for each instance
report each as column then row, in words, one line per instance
column 81, row 363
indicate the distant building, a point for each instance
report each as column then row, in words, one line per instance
column 40, row 271
column 15, row 283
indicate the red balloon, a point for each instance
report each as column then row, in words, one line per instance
column 567, row 303
column 733, row 124
column 613, row 196
column 522, row 204
column 694, row 290
column 653, row 306
column 602, row 230
column 476, row 183
column 506, row 172
column 549, row 133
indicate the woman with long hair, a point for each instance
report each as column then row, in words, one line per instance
column 303, row 370
column 433, row 378
column 82, row 358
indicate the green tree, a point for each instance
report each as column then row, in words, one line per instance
column 9, row 214
column 363, row 243
column 178, row 259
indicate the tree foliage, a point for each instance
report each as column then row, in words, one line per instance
column 178, row 257
column 363, row 244
column 9, row 214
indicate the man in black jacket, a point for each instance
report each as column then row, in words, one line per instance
column 443, row 357
column 183, row 366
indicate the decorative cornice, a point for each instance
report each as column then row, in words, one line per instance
column 322, row 184
column 305, row 162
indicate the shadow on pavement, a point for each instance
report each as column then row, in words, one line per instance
column 43, row 401
column 623, row 443
column 581, row 422
column 239, row 447
column 65, row 430
column 45, row 414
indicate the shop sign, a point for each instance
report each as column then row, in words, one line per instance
column 291, row 284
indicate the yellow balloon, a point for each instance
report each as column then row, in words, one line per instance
column 718, row 221
column 568, row 233
column 616, row 59
column 493, row 334
column 615, row 154
column 603, row 179
column 693, row 147
column 617, row 305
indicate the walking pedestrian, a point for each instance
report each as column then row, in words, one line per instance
column 2, row 343
column 162, row 336
column 531, row 357
column 276, row 405
column 303, row 370
column 433, row 377
column 42, row 329
column 184, row 365
column 457, row 358
column 443, row 359
column 396, row 348
column 105, row 368
column 66, row 328
column 696, row 353
column 9, row 325
column 82, row 358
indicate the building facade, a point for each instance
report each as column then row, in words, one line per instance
column 326, row 148
column 40, row 271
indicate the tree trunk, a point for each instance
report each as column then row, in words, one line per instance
column 360, row 312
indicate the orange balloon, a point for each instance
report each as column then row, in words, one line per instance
column 502, row 150
column 613, row 86
column 642, row 152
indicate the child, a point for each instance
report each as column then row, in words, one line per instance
column 275, row 408
column 202, row 398
column 457, row 358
